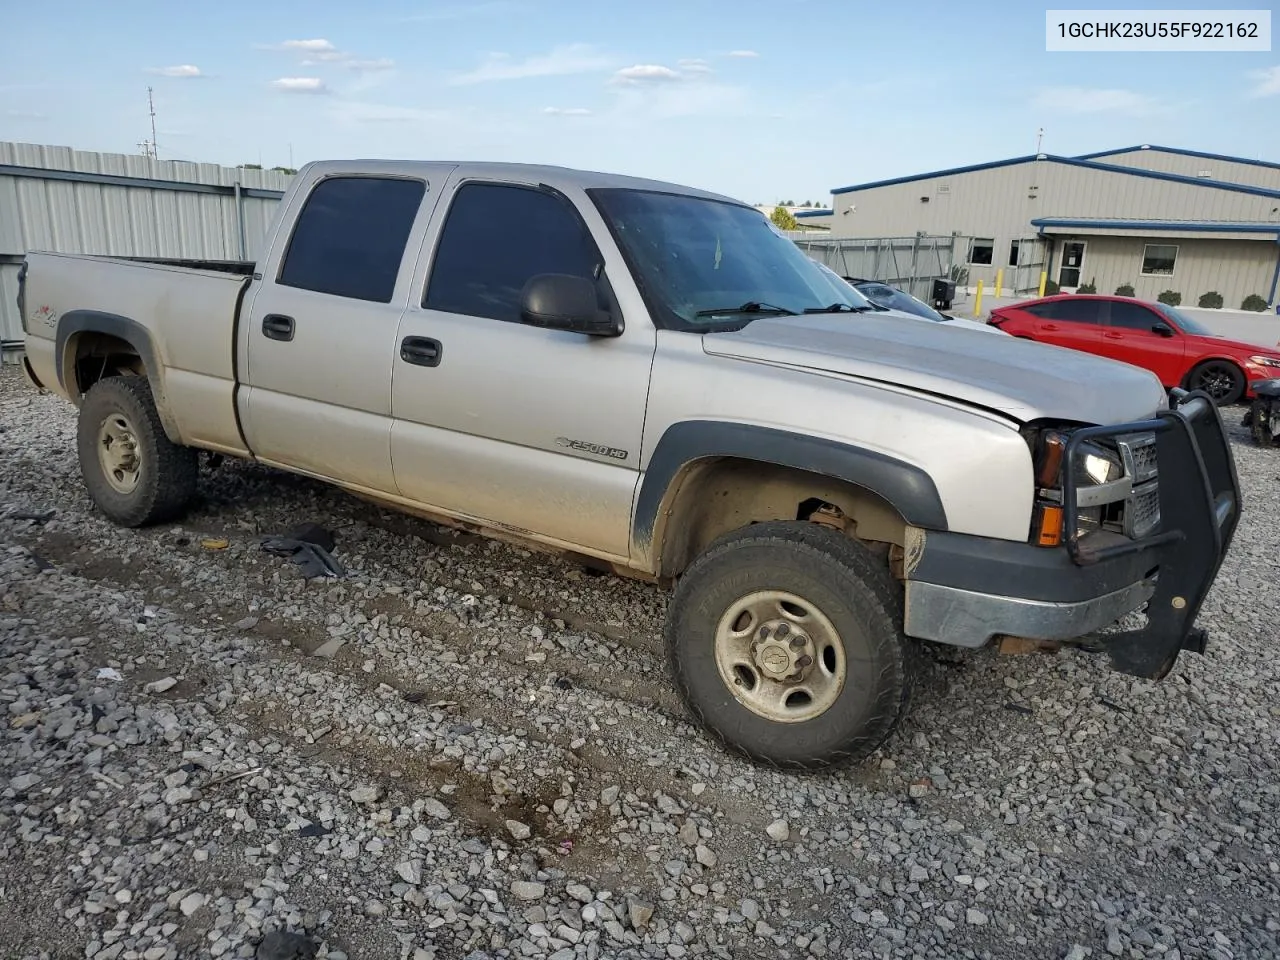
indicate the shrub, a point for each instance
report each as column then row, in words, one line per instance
column 1050, row 288
column 1090, row 287
column 1254, row 302
column 1211, row 300
column 1124, row 290
column 1172, row 297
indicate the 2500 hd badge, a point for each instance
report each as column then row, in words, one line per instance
column 595, row 448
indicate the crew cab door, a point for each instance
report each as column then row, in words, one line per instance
column 1074, row 322
column 319, row 337
column 1138, row 335
column 521, row 427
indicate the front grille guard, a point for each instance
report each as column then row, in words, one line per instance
column 1199, row 511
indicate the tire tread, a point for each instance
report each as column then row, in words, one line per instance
column 903, row 656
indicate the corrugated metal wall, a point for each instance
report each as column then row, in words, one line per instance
column 1254, row 174
column 999, row 203
column 1233, row 268
column 74, row 201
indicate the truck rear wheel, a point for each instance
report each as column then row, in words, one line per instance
column 785, row 639
column 134, row 473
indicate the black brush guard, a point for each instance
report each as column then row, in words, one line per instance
column 1199, row 511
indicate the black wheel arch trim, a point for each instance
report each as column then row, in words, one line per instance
column 74, row 322
column 908, row 488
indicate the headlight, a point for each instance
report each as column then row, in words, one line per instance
column 1096, row 465
column 1265, row 361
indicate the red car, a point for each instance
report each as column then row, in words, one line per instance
column 1155, row 336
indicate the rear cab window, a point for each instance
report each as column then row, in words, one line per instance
column 349, row 239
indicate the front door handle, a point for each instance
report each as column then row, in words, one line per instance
column 1114, row 336
column 277, row 327
column 422, row 351
column 1050, row 326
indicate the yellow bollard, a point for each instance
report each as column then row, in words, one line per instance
column 977, row 302
column 1000, row 282
column 1043, row 277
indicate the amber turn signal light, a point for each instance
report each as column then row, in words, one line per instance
column 1049, row 525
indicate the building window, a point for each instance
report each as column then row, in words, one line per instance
column 981, row 250
column 1158, row 259
column 1013, row 253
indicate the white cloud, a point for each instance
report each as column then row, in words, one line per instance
column 574, row 58
column 300, row 85
column 746, row 54
column 567, row 111
column 382, row 63
column 1086, row 100
column 645, row 73
column 695, row 65
column 1267, row 82
column 308, row 46
column 183, row 71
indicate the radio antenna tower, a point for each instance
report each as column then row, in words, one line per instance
column 149, row 147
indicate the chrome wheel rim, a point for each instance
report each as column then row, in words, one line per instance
column 780, row 656
column 118, row 453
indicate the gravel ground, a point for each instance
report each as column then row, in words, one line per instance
column 465, row 750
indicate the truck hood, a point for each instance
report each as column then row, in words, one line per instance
column 1022, row 379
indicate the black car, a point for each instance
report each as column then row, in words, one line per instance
column 891, row 298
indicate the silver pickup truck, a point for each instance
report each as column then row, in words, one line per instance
column 651, row 378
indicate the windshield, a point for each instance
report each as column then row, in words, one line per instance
column 706, row 265
column 895, row 299
column 1184, row 322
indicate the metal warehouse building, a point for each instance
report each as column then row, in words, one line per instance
column 1154, row 218
column 74, row 201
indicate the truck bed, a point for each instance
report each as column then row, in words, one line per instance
column 184, row 311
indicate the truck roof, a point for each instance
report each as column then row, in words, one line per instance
column 552, row 176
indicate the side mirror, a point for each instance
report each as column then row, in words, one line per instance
column 1163, row 329
column 558, row 301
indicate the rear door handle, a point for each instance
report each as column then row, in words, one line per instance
column 1114, row 336
column 422, row 351
column 277, row 327
column 1051, row 326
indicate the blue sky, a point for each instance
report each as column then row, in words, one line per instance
column 765, row 101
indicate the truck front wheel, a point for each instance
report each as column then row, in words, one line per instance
column 135, row 474
column 785, row 639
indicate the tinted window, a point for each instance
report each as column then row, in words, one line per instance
column 1070, row 311
column 1132, row 316
column 350, row 237
column 495, row 239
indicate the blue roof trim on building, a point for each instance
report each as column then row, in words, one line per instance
column 802, row 214
column 1169, row 177
column 973, row 168
column 1073, row 162
column 1188, row 226
column 1178, row 151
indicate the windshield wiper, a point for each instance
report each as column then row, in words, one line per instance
column 751, row 306
column 839, row 308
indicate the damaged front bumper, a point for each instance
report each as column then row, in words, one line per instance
column 1091, row 581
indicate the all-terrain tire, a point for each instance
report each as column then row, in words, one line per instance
column 850, row 587
column 166, row 472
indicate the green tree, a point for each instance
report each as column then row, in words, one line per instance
column 783, row 219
